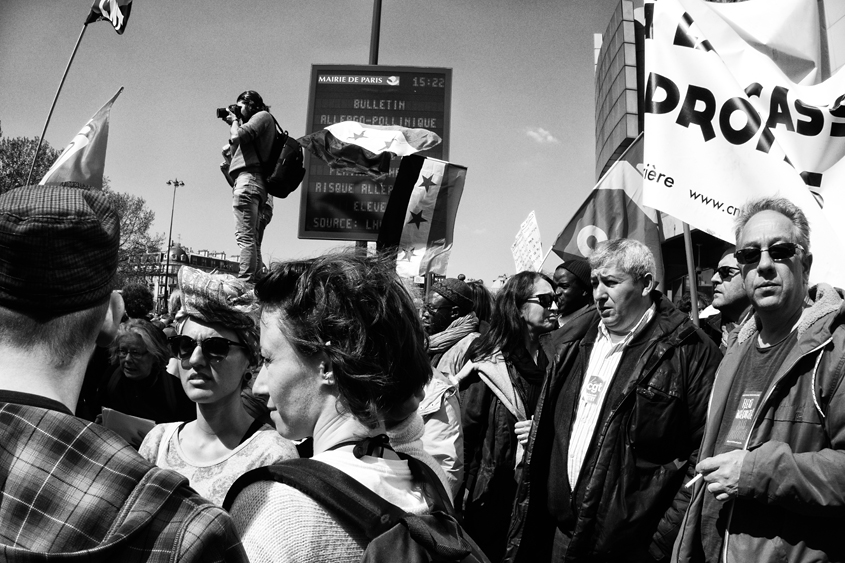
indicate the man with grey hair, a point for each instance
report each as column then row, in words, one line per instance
column 618, row 424
column 773, row 452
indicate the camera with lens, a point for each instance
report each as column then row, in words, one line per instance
column 222, row 113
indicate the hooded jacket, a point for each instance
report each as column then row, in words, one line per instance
column 628, row 500
column 72, row 490
column 790, row 505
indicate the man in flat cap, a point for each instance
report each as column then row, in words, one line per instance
column 69, row 488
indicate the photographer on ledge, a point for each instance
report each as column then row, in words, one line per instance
column 251, row 138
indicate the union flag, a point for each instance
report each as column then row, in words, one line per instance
column 614, row 209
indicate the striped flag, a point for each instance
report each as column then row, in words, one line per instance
column 419, row 221
column 366, row 148
column 115, row 11
column 84, row 159
column 614, row 209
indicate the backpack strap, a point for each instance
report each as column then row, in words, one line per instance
column 357, row 507
column 339, row 494
column 281, row 138
column 434, row 490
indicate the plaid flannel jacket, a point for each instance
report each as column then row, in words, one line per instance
column 73, row 488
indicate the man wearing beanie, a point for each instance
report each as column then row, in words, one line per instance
column 449, row 320
column 71, row 489
column 573, row 291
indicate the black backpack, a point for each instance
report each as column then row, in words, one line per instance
column 284, row 170
column 395, row 535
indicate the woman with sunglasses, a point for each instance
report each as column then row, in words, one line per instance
column 344, row 362
column 500, row 384
column 216, row 347
column 140, row 385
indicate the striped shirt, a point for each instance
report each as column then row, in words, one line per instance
column 604, row 359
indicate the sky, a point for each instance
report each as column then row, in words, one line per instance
column 522, row 101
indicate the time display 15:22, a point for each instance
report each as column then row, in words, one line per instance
column 431, row 82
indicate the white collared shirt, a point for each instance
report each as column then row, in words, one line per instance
column 604, row 359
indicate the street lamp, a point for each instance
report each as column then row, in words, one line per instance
column 175, row 183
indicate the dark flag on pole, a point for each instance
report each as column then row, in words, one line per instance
column 115, row 11
column 614, row 209
column 419, row 221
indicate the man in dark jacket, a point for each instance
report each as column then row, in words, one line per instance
column 730, row 303
column 71, row 490
column 617, row 429
column 773, row 453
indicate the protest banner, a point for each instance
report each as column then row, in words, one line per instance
column 527, row 249
column 725, row 123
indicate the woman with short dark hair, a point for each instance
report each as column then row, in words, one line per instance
column 344, row 361
column 216, row 346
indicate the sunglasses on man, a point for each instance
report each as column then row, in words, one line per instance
column 777, row 252
column 545, row 300
column 727, row 272
column 215, row 348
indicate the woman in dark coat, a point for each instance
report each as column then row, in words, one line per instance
column 499, row 386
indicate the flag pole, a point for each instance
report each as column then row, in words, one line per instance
column 52, row 107
column 375, row 33
column 546, row 257
column 691, row 275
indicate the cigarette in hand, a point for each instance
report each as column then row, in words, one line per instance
column 692, row 481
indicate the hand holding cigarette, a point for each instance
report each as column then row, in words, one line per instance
column 692, row 481
column 721, row 472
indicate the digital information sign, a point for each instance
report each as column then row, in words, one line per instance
column 340, row 205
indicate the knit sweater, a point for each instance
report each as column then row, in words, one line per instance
column 278, row 523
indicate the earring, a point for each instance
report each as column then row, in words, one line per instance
column 328, row 376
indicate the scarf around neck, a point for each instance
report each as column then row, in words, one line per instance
column 460, row 327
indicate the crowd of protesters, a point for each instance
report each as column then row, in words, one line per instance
column 573, row 417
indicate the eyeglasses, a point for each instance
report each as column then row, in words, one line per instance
column 432, row 310
column 778, row 252
column 215, row 348
column 727, row 272
column 545, row 300
column 123, row 352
